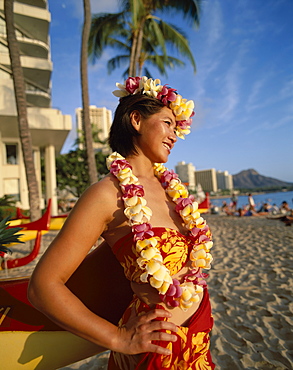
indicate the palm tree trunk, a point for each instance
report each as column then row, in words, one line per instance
column 93, row 176
column 139, row 46
column 20, row 98
column 132, row 59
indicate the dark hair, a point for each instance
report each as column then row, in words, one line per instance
column 122, row 131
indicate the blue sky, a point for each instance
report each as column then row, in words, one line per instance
column 243, row 88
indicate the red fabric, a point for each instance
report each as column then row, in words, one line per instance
column 190, row 351
column 174, row 247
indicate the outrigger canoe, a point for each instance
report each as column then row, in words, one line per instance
column 31, row 341
column 56, row 222
column 22, row 261
column 30, row 229
column 204, row 206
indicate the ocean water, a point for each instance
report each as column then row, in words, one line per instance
column 271, row 198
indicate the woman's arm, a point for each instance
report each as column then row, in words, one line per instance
column 48, row 292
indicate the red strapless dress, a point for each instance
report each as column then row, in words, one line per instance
column 192, row 348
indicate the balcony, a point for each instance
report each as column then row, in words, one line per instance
column 32, row 21
column 38, row 3
column 33, row 48
column 36, row 97
column 36, row 70
column 47, row 126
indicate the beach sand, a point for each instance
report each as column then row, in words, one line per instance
column 250, row 285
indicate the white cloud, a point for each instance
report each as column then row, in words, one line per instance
column 215, row 26
column 287, row 89
column 211, row 44
column 256, row 93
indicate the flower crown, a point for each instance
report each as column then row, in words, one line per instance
column 181, row 108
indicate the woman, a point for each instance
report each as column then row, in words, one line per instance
column 145, row 215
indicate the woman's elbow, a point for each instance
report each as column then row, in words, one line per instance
column 37, row 292
column 32, row 294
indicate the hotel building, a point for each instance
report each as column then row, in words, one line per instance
column 224, row 180
column 207, row 179
column 48, row 126
column 186, row 173
column 101, row 119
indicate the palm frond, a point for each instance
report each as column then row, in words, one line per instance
column 8, row 236
column 116, row 62
column 154, row 33
column 137, row 10
column 177, row 39
column 147, row 73
column 190, row 9
column 103, row 26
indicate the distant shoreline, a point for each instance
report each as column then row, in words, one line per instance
column 249, row 192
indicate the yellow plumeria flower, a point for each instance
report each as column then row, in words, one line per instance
column 113, row 157
column 142, row 244
column 182, row 108
column 150, row 253
column 152, row 267
column 152, row 87
column 180, row 132
column 138, row 212
column 194, row 255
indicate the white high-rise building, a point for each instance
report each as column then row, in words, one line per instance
column 186, row 173
column 224, row 180
column 48, row 127
column 101, row 118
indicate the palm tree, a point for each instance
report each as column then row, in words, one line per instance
column 150, row 54
column 93, row 176
column 20, row 98
column 142, row 35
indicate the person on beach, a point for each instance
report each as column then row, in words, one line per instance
column 234, row 200
column 146, row 216
column 284, row 208
column 251, row 203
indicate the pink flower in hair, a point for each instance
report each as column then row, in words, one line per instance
column 166, row 95
column 132, row 84
column 118, row 165
column 183, row 125
column 131, row 190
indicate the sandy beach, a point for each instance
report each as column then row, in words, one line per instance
column 250, row 285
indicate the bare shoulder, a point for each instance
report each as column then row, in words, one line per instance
column 99, row 200
column 93, row 212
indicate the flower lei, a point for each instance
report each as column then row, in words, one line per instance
column 182, row 109
column 150, row 259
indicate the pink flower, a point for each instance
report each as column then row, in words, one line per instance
column 166, row 95
column 119, row 165
column 167, row 176
column 174, row 291
column 203, row 238
column 183, row 125
column 131, row 190
column 142, row 231
column 183, row 202
column 197, row 232
column 131, row 84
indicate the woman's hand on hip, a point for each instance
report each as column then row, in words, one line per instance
column 138, row 334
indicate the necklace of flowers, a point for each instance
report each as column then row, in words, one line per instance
column 150, row 260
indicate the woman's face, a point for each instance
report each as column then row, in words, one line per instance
column 157, row 135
